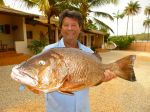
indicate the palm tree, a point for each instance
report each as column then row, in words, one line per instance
column 118, row 16
column 146, row 22
column 147, row 11
column 132, row 9
column 54, row 7
column 85, row 7
column 50, row 8
column 2, row 2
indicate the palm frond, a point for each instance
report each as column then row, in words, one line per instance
column 133, row 8
column 66, row 5
column 2, row 2
column 30, row 3
column 102, row 2
column 147, row 10
column 102, row 14
column 118, row 15
column 102, row 24
column 146, row 23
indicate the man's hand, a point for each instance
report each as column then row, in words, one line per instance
column 108, row 75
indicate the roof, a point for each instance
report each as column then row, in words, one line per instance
column 8, row 10
column 94, row 32
column 43, row 19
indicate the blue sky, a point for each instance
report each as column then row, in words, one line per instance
column 138, row 20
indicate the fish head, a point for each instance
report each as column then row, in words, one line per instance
column 45, row 70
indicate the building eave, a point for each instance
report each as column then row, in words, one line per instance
column 94, row 32
column 11, row 11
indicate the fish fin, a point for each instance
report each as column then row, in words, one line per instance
column 66, row 92
column 68, row 87
column 97, row 55
column 126, row 70
column 34, row 90
column 98, row 83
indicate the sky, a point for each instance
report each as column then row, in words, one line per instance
column 138, row 19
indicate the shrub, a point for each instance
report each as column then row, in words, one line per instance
column 37, row 46
column 122, row 42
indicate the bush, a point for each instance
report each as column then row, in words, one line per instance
column 37, row 46
column 122, row 42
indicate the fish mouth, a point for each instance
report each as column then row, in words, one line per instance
column 23, row 77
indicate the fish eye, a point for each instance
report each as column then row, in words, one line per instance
column 42, row 62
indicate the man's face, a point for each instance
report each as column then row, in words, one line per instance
column 70, row 28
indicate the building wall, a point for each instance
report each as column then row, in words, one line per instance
column 92, row 40
column 18, row 31
column 7, row 38
column 17, row 38
column 37, row 32
column 97, row 41
column 140, row 46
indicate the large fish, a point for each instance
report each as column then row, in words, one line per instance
column 68, row 69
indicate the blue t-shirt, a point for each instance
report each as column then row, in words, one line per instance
column 57, row 102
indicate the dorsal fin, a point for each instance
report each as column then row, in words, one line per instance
column 97, row 55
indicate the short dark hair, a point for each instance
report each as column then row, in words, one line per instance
column 70, row 14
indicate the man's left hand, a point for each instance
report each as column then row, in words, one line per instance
column 108, row 75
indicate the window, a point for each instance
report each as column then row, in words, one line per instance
column 5, row 28
column 1, row 28
column 29, row 35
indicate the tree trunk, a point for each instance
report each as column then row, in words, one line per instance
column 148, row 34
column 132, row 25
column 117, row 27
column 49, row 30
column 127, row 26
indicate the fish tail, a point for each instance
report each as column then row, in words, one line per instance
column 125, row 68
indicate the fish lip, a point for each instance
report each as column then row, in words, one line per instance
column 17, row 75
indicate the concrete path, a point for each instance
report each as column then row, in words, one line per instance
column 120, row 95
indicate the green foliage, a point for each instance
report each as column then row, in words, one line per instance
column 37, row 46
column 92, row 26
column 122, row 42
column 142, row 37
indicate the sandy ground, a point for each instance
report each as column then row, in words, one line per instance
column 117, row 95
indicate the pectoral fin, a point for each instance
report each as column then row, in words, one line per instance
column 66, row 92
column 97, row 83
column 34, row 90
column 97, row 55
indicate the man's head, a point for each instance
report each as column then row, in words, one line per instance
column 70, row 25
column 70, row 14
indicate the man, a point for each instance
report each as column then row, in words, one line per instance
column 70, row 26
